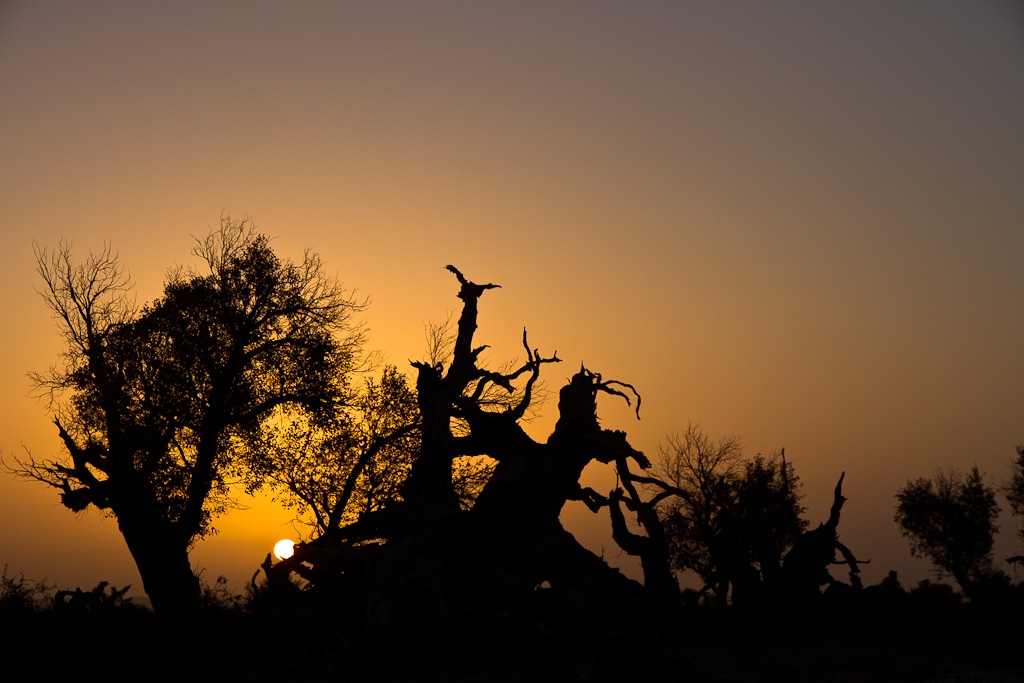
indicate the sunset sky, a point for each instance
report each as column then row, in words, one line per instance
column 797, row 222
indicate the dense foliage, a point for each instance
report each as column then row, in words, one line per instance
column 159, row 408
column 951, row 519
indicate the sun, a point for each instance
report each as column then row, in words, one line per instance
column 284, row 548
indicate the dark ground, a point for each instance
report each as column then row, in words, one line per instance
column 895, row 638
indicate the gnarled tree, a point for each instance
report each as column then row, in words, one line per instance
column 511, row 540
column 805, row 567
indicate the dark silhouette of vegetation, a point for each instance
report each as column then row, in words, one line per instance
column 737, row 520
column 1015, row 487
column 805, row 566
column 660, row 585
column 737, row 523
column 96, row 600
column 1014, row 490
column 508, row 540
column 157, row 408
column 728, row 519
column 951, row 520
column 881, row 633
column 333, row 470
column 18, row 594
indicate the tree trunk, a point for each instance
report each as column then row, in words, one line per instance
column 163, row 563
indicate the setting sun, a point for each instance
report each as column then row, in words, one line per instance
column 284, row 549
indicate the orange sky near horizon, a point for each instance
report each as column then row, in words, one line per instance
column 797, row 222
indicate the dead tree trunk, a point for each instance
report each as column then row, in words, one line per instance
column 660, row 585
column 805, row 567
column 532, row 482
column 512, row 536
column 428, row 491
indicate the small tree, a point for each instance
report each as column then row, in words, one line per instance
column 704, row 471
column 351, row 464
column 952, row 521
column 158, row 409
column 730, row 519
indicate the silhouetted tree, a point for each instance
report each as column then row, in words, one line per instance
column 165, row 403
column 951, row 520
column 728, row 519
column 704, row 472
column 406, row 554
column 805, row 567
column 1014, row 490
column 335, row 469
column 660, row 585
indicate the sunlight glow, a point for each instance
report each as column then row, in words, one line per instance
column 284, row 549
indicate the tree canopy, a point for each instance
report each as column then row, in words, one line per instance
column 160, row 408
column 951, row 519
column 333, row 470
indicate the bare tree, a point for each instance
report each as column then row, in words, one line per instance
column 702, row 471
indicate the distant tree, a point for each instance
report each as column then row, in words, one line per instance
column 705, row 472
column 1015, row 487
column 951, row 519
column 159, row 408
column 767, row 518
column 1014, row 490
column 731, row 519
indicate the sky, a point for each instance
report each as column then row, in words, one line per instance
column 800, row 223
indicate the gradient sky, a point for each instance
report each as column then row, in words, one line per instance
column 797, row 222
